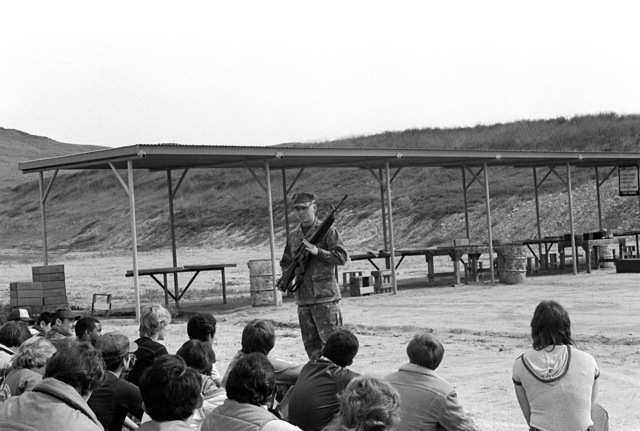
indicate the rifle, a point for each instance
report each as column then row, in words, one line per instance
column 302, row 257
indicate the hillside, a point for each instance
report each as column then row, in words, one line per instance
column 89, row 210
column 17, row 146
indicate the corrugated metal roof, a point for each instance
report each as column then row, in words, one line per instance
column 170, row 156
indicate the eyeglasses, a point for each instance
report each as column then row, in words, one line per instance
column 132, row 358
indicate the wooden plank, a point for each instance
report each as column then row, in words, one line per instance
column 150, row 271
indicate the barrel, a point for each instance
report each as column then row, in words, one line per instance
column 604, row 252
column 512, row 263
column 261, row 282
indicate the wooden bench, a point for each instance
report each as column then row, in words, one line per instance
column 195, row 269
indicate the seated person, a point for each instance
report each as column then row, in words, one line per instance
column 153, row 321
column 260, row 336
column 202, row 327
column 251, row 387
column 200, row 357
column 43, row 324
column 367, row 404
column 428, row 401
column 115, row 398
column 12, row 335
column 88, row 329
column 314, row 398
column 28, row 367
column 58, row 402
column 22, row 315
column 171, row 393
column 62, row 323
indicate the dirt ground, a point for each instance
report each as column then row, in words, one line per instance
column 483, row 326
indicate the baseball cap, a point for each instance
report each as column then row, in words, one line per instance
column 115, row 344
column 22, row 315
column 65, row 313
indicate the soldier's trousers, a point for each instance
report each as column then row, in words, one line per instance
column 317, row 322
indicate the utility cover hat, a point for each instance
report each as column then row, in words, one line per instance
column 304, row 198
column 22, row 315
column 65, row 313
column 115, row 344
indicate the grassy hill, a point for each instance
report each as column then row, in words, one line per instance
column 89, row 210
column 17, row 146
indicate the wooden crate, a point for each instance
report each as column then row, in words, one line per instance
column 382, row 281
column 361, row 286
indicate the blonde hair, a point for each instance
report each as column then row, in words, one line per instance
column 153, row 319
column 367, row 404
column 33, row 353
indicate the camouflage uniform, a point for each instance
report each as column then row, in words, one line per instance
column 319, row 293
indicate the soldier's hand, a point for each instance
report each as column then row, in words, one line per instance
column 310, row 247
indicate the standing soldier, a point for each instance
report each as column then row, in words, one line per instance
column 318, row 292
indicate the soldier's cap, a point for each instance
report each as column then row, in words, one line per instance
column 65, row 313
column 21, row 314
column 115, row 344
column 304, row 198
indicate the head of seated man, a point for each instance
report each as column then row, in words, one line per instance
column 425, row 350
column 259, row 335
column 341, row 347
column 88, row 329
column 170, row 390
column 202, row 327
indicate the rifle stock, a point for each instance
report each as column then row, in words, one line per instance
column 301, row 257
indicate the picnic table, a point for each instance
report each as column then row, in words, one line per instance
column 589, row 246
column 455, row 252
column 195, row 269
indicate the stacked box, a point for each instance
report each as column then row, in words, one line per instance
column 25, row 294
column 360, row 286
column 54, row 291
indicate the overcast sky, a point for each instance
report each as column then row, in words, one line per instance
column 267, row 72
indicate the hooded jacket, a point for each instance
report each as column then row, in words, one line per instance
column 51, row 405
column 558, row 381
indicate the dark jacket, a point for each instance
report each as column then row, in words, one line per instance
column 319, row 283
column 314, row 400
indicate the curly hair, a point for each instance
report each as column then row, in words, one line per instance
column 198, row 355
column 170, row 390
column 33, row 353
column 550, row 326
column 367, row 404
column 153, row 319
column 258, row 336
column 252, row 380
column 78, row 364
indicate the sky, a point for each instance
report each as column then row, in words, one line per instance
column 269, row 72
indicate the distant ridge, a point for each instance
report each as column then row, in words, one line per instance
column 17, row 146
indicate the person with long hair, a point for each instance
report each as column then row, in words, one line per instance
column 555, row 383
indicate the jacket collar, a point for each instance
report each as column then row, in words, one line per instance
column 413, row 368
column 66, row 393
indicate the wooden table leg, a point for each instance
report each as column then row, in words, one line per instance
column 166, row 292
column 456, row 270
column 224, row 287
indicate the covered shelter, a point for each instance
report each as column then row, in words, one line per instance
column 383, row 163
